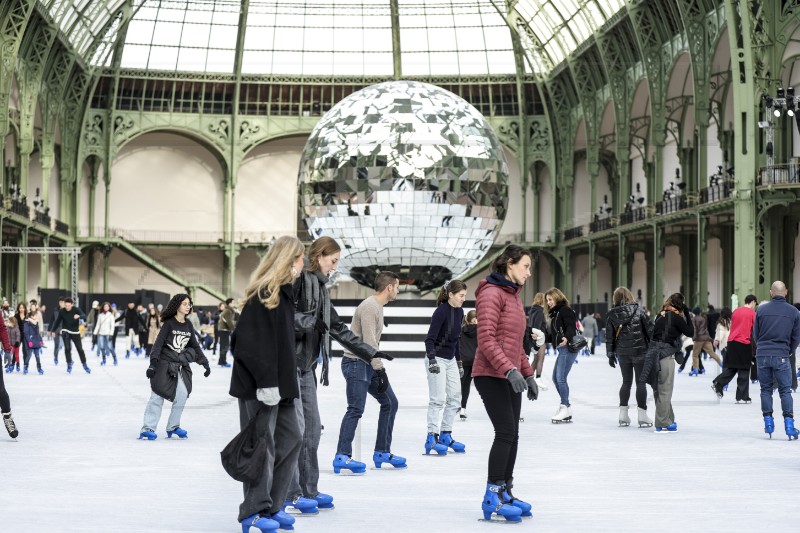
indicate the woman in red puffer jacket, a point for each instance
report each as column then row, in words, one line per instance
column 502, row 372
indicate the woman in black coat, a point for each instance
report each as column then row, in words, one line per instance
column 467, row 344
column 264, row 380
column 562, row 328
column 628, row 331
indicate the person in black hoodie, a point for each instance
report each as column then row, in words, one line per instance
column 673, row 321
column 170, row 373
column 264, row 379
column 68, row 320
column 133, row 323
column 562, row 330
column 537, row 320
column 467, row 344
column 628, row 330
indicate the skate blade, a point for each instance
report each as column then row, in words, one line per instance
column 346, row 473
column 565, row 421
column 645, row 425
column 624, row 424
column 296, row 512
column 434, row 454
column 389, row 468
column 500, row 520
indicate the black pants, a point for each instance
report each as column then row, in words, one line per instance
column 224, row 344
column 5, row 402
column 628, row 368
column 742, row 381
column 75, row 338
column 503, row 407
column 466, row 383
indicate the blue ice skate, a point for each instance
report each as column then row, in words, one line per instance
column 178, row 432
column 324, row 501
column 262, row 523
column 791, row 432
column 69, row 368
column 87, row 369
column 694, row 372
column 769, row 425
column 447, row 440
column 508, row 498
column 396, row 461
column 493, row 505
column 301, row 505
column 672, row 428
column 342, row 461
column 432, row 443
column 41, row 372
column 148, row 435
column 285, row 520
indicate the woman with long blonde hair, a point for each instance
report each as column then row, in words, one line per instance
column 265, row 382
column 563, row 329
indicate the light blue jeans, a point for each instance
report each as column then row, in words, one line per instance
column 152, row 413
column 103, row 342
column 444, row 391
column 563, row 365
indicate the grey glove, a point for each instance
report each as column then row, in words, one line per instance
column 533, row 388
column 433, row 366
column 516, row 380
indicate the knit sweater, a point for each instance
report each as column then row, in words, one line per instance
column 367, row 323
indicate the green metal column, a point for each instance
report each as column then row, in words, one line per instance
column 592, row 272
column 92, row 197
column 90, row 269
column 567, row 280
column 726, row 242
column 623, row 279
column 22, row 268
column 701, row 297
column 106, row 255
column 688, row 251
column 396, row 53
column 44, row 264
column 656, row 297
column 745, row 105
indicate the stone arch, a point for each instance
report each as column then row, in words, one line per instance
column 680, row 123
column 641, row 149
column 165, row 176
column 581, row 185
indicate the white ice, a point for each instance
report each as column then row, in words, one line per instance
column 78, row 467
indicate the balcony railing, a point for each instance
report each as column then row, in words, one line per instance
column 780, row 174
column 61, row 227
column 19, row 207
column 573, row 233
column 43, row 219
column 601, row 225
column 670, row 205
column 635, row 215
column 715, row 193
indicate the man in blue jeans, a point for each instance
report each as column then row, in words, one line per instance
column 363, row 378
column 776, row 332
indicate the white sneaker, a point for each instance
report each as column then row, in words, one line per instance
column 562, row 415
column 541, row 383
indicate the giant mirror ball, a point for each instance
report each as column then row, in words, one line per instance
column 406, row 177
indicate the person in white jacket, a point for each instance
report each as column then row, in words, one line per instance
column 104, row 329
column 723, row 331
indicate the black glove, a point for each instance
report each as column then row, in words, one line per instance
column 151, row 371
column 460, row 369
column 383, row 380
column 383, row 355
column 612, row 361
column 320, row 326
column 433, row 366
column 207, row 372
column 516, row 380
column 533, row 388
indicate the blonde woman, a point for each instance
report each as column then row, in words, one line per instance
column 562, row 330
column 264, row 379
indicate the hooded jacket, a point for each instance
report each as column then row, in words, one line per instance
column 634, row 335
column 501, row 326
column 312, row 303
column 468, row 343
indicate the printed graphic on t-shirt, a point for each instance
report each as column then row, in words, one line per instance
column 179, row 341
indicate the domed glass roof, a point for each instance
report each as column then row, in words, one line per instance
column 330, row 38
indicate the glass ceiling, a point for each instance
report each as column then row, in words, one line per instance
column 329, row 37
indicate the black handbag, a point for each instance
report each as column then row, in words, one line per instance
column 245, row 456
column 577, row 343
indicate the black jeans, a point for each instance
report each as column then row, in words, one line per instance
column 628, row 368
column 742, row 381
column 503, row 407
column 466, row 383
column 5, row 402
column 75, row 338
column 224, row 344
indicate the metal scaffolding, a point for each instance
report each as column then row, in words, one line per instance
column 73, row 251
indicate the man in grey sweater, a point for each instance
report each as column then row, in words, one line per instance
column 363, row 378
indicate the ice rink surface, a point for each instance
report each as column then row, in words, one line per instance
column 78, row 466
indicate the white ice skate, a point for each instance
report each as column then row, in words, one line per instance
column 624, row 419
column 562, row 416
column 541, row 383
column 644, row 420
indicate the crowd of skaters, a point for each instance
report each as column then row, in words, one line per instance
column 281, row 339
